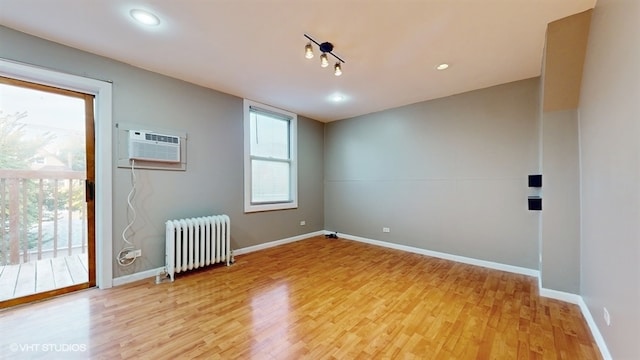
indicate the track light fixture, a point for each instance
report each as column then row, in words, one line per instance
column 325, row 48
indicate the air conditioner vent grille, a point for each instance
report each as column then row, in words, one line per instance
column 150, row 146
column 162, row 138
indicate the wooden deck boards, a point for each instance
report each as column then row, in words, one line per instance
column 42, row 275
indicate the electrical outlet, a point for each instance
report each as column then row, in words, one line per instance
column 303, row 223
column 386, row 230
column 607, row 317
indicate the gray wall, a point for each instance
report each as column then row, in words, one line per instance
column 446, row 175
column 562, row 68
column 213, row 181
column 560, row 230
column 609, row 126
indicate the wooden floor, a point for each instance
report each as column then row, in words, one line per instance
column 313, row 299
column 42, row 275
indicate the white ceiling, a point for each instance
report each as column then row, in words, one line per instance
column 254, row 48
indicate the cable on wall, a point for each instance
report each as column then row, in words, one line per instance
column 123, row 260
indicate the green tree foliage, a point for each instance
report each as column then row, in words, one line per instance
column 18, row 151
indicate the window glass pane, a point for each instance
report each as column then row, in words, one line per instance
column 271, row 181
column 269, row 136
column 40, row 130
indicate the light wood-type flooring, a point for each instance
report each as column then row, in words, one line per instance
column 313, row 299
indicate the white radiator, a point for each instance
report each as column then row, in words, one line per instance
column 197, row 242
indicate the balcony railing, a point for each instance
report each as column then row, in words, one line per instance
column 42, row 214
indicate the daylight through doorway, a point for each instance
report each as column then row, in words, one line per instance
column 47, row 242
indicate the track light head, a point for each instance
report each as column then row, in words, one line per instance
column 308, row 51
column 324, row 62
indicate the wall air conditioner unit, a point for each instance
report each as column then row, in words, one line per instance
column 150, row 146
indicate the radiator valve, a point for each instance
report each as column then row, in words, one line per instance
column 161, row 277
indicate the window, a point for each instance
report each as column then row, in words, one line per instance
column 270, row 168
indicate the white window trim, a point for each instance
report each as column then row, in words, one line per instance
column 102, row 91
column 293, row 142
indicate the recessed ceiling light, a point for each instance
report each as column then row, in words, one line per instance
column 144, row 17
column 442, row 66
column 337, row 98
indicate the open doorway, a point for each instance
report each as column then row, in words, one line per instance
column 47, row 177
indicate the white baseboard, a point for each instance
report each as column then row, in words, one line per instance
column 137, row 276
column 602, row 345
column 559, row 295
column 456, row 258
column 276, row 243
column 578, row 300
